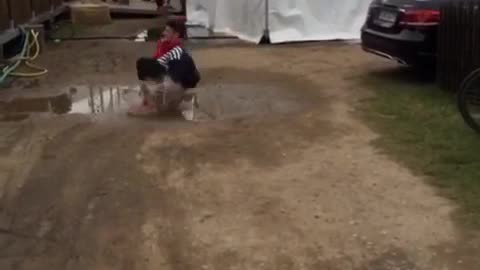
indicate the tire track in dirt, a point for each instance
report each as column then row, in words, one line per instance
column 81, row 197
column 328, row 199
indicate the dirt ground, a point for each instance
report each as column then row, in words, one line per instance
column 283, row 176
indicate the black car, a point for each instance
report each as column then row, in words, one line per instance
column 403, row 30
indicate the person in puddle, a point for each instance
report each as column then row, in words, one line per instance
column 171, row 69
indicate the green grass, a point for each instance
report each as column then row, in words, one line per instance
column 421, row 127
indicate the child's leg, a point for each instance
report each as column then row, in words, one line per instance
column 168, row 95
column 148, row 98
column 149, row 68
column 173, row 93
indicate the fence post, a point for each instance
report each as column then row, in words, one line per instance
column 458, row 42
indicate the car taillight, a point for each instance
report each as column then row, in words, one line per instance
column 421, row 18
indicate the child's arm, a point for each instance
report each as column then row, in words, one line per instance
column 173, row 54
column 158, row 50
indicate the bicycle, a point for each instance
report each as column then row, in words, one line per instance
column 468, row 100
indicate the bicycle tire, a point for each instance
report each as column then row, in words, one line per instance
column 462, row 99
column 469, row 77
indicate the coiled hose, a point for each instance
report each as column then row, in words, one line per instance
column 25, row 58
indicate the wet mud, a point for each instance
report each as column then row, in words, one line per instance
column 282, row 175
column 222, row 98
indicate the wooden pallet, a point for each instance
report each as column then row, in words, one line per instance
column 90, row 14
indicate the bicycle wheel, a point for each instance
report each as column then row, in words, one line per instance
column 469, row 100
column 470, row 77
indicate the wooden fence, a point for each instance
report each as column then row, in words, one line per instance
column 16, row 12
column 458, row 42
column 41, row 6
column 20, row 11
column 4, row 15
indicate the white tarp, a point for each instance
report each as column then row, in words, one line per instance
column 242, row 18
column 288, row 20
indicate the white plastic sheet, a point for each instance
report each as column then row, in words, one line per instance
column 201, row 12
column 288, row 20
column 242, row 18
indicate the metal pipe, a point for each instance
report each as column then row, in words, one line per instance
column 267, row 19
column 267, row 15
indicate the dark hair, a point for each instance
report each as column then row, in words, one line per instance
column 177, row 26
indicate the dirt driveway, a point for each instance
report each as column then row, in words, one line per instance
column 283, row 176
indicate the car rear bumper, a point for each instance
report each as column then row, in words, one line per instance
column 402, row 50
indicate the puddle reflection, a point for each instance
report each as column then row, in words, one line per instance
column 89, row 100
column 103, row 99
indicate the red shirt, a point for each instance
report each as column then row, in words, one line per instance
column 165, row 46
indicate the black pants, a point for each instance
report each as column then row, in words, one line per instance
column 149, row 68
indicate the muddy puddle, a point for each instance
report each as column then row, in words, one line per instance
column 219, row 98
column 112, row 101
column 79, row 99
column 238, row 100
column 103, row 100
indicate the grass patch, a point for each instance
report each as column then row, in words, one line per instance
column 421, row 127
